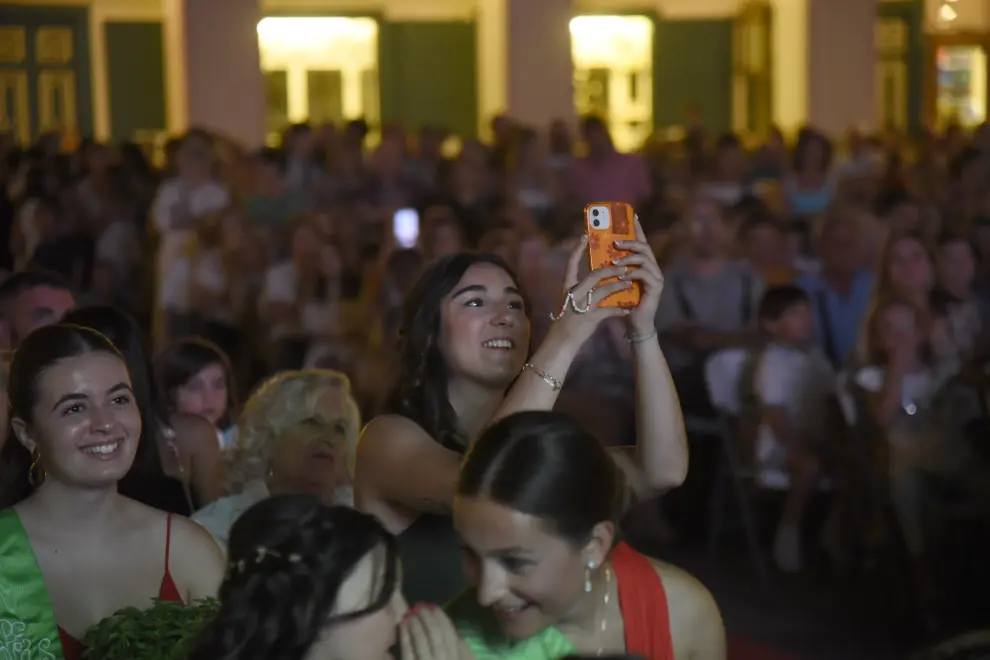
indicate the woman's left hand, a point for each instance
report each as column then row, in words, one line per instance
column 428, row 634
column 643, row 268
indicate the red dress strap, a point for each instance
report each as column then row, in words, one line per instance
column 168, row 590
column 643, row 602
column 72, row 648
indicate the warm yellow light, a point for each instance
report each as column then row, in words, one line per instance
column 947, row 13
column 304, row 33
column 604, row 40
column 586, row 28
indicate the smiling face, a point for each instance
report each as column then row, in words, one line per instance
column 205, row 394
column 530, row 577
column 85, row 423
column 484, row 331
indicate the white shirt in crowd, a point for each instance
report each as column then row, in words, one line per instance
column 119, row 246
column 317, row 318
column 219, row 516
column 174, row 269
column 801, row 383
column 209, row 274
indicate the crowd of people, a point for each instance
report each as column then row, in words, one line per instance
column 430, row 416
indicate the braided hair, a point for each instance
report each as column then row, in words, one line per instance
column 419, row 391
column 289, row 556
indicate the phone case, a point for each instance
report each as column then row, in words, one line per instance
column 602, row 249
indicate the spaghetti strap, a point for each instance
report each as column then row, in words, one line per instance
column 168, row 539
column 643, row 602
column 169, row 591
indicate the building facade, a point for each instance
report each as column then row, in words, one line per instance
column 130, row 69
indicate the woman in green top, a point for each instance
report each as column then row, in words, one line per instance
column 463, row 364
column 536, row 509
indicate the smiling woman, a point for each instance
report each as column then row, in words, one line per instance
column 537, row 508
column 464, row 363
column 77, row 427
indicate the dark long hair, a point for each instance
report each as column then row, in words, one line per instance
column 545, row 465
column 419, row 391
column 125, row 334
column 289, row 556
column 182, row 360
column 39, row 351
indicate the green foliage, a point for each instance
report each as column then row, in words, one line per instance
column 161, row 632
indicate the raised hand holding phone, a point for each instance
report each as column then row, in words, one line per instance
column 607, row 225
column 616, row 238
column 645, row 270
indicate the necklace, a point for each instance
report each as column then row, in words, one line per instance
column 605, row 601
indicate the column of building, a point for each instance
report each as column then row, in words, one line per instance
column 213, row 74
column 524, row 61
column 825, row 64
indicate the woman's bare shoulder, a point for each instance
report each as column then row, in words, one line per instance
column 390, row 431
column 190, row 429
column 695, row 620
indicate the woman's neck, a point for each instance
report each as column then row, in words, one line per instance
column 473, row 404
column 584, row 621
column 66, row 506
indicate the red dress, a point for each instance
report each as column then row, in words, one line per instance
column 643, row 602
column 73, row 649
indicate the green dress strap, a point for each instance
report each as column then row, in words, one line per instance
column 479, row 630
column 27, row 619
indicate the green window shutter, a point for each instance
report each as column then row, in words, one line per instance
column 136, row 76
column 429, row 75
column 692, row 67
column 912, row 13
column 33, row 17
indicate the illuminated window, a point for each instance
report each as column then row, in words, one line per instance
column 325, row 63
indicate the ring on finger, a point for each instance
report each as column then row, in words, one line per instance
column 587, row 305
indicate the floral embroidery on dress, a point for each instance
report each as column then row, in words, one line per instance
column 15, row 644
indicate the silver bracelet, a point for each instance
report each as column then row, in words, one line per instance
column 545, row 377
column 634, row 338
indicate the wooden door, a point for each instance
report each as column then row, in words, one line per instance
column 44, row 71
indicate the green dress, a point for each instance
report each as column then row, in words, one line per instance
column 27, row 619
column 479, row 630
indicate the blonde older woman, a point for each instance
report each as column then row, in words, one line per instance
column 297, row 434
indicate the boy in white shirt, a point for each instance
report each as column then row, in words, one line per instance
column 792, row 385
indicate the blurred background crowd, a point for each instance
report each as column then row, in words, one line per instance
column 866, row 457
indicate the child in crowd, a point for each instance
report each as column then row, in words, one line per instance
column 901, row 379
column 792, row 385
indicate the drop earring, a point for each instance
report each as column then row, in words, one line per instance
column 35, row 474
column 587, row 577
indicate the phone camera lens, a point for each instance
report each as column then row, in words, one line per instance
column 596, row 223
column 594, row 212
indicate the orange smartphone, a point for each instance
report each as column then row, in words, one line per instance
column 606, row 223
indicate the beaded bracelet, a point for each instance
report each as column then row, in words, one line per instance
column 634, row 338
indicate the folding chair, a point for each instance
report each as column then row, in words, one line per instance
column 722, row 374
